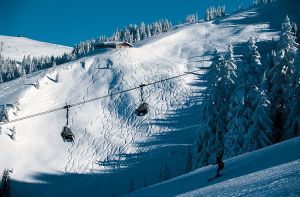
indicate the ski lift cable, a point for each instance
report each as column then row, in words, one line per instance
column 97, row 98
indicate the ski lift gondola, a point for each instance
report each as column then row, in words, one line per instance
column 143, row 108
column 66, row 133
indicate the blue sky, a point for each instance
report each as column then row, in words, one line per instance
column 69, row 21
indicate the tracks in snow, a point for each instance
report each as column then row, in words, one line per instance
column 115, row 129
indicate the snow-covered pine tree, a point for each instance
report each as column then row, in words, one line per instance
column 5, row 186
column 138, row 36
column 230, row 65
column 209, row 143
column 207, row 14
column 292, row 124
column 16, row 104
column 287, row 40
column 282, row 72
column 206, row 136
column 142, row 30
column 166, row 25
column 241, row 103
column 267, row 67
column 260, row 132
column 148, row 31
column 223, row 11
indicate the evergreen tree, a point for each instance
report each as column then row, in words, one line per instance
column 143, row 32
column 16, row 104
column 287, row 42
column 207, row 15
column 292, row 124
column 242, row 105
column 148, row 31
column 230, row 65
column 270, row 62
column 282, row 72
column 5, row 187
column 210, row 142
column 260, row 133
column 138, row 37
column 223, row 11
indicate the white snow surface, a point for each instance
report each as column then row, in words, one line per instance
column 272, row 171
column 16, row 48
column 112, row 145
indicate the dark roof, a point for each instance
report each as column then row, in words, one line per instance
column 112, row 44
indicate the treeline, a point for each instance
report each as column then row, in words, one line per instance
column 250, row 105
column 12, row 69
column 133, row 33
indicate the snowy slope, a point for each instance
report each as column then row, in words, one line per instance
column 272, row 171
column 16, row 47
column 112, row 144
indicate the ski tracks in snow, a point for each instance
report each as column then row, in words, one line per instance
column 118, row 130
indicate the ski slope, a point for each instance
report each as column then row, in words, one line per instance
column 16, row 48
column 112, row 145
column 272, row 171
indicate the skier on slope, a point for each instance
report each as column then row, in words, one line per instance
column 220, row 164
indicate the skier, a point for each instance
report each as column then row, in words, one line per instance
column 220, row 164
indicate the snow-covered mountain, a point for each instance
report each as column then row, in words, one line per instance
column 114, row 150
column 16, row 48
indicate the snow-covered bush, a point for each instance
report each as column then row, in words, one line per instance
column 4, row 116
column 193, row 18
column 13, row 133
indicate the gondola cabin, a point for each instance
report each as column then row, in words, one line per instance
column 142, row 110
column 67, row 134
column 112, row 45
